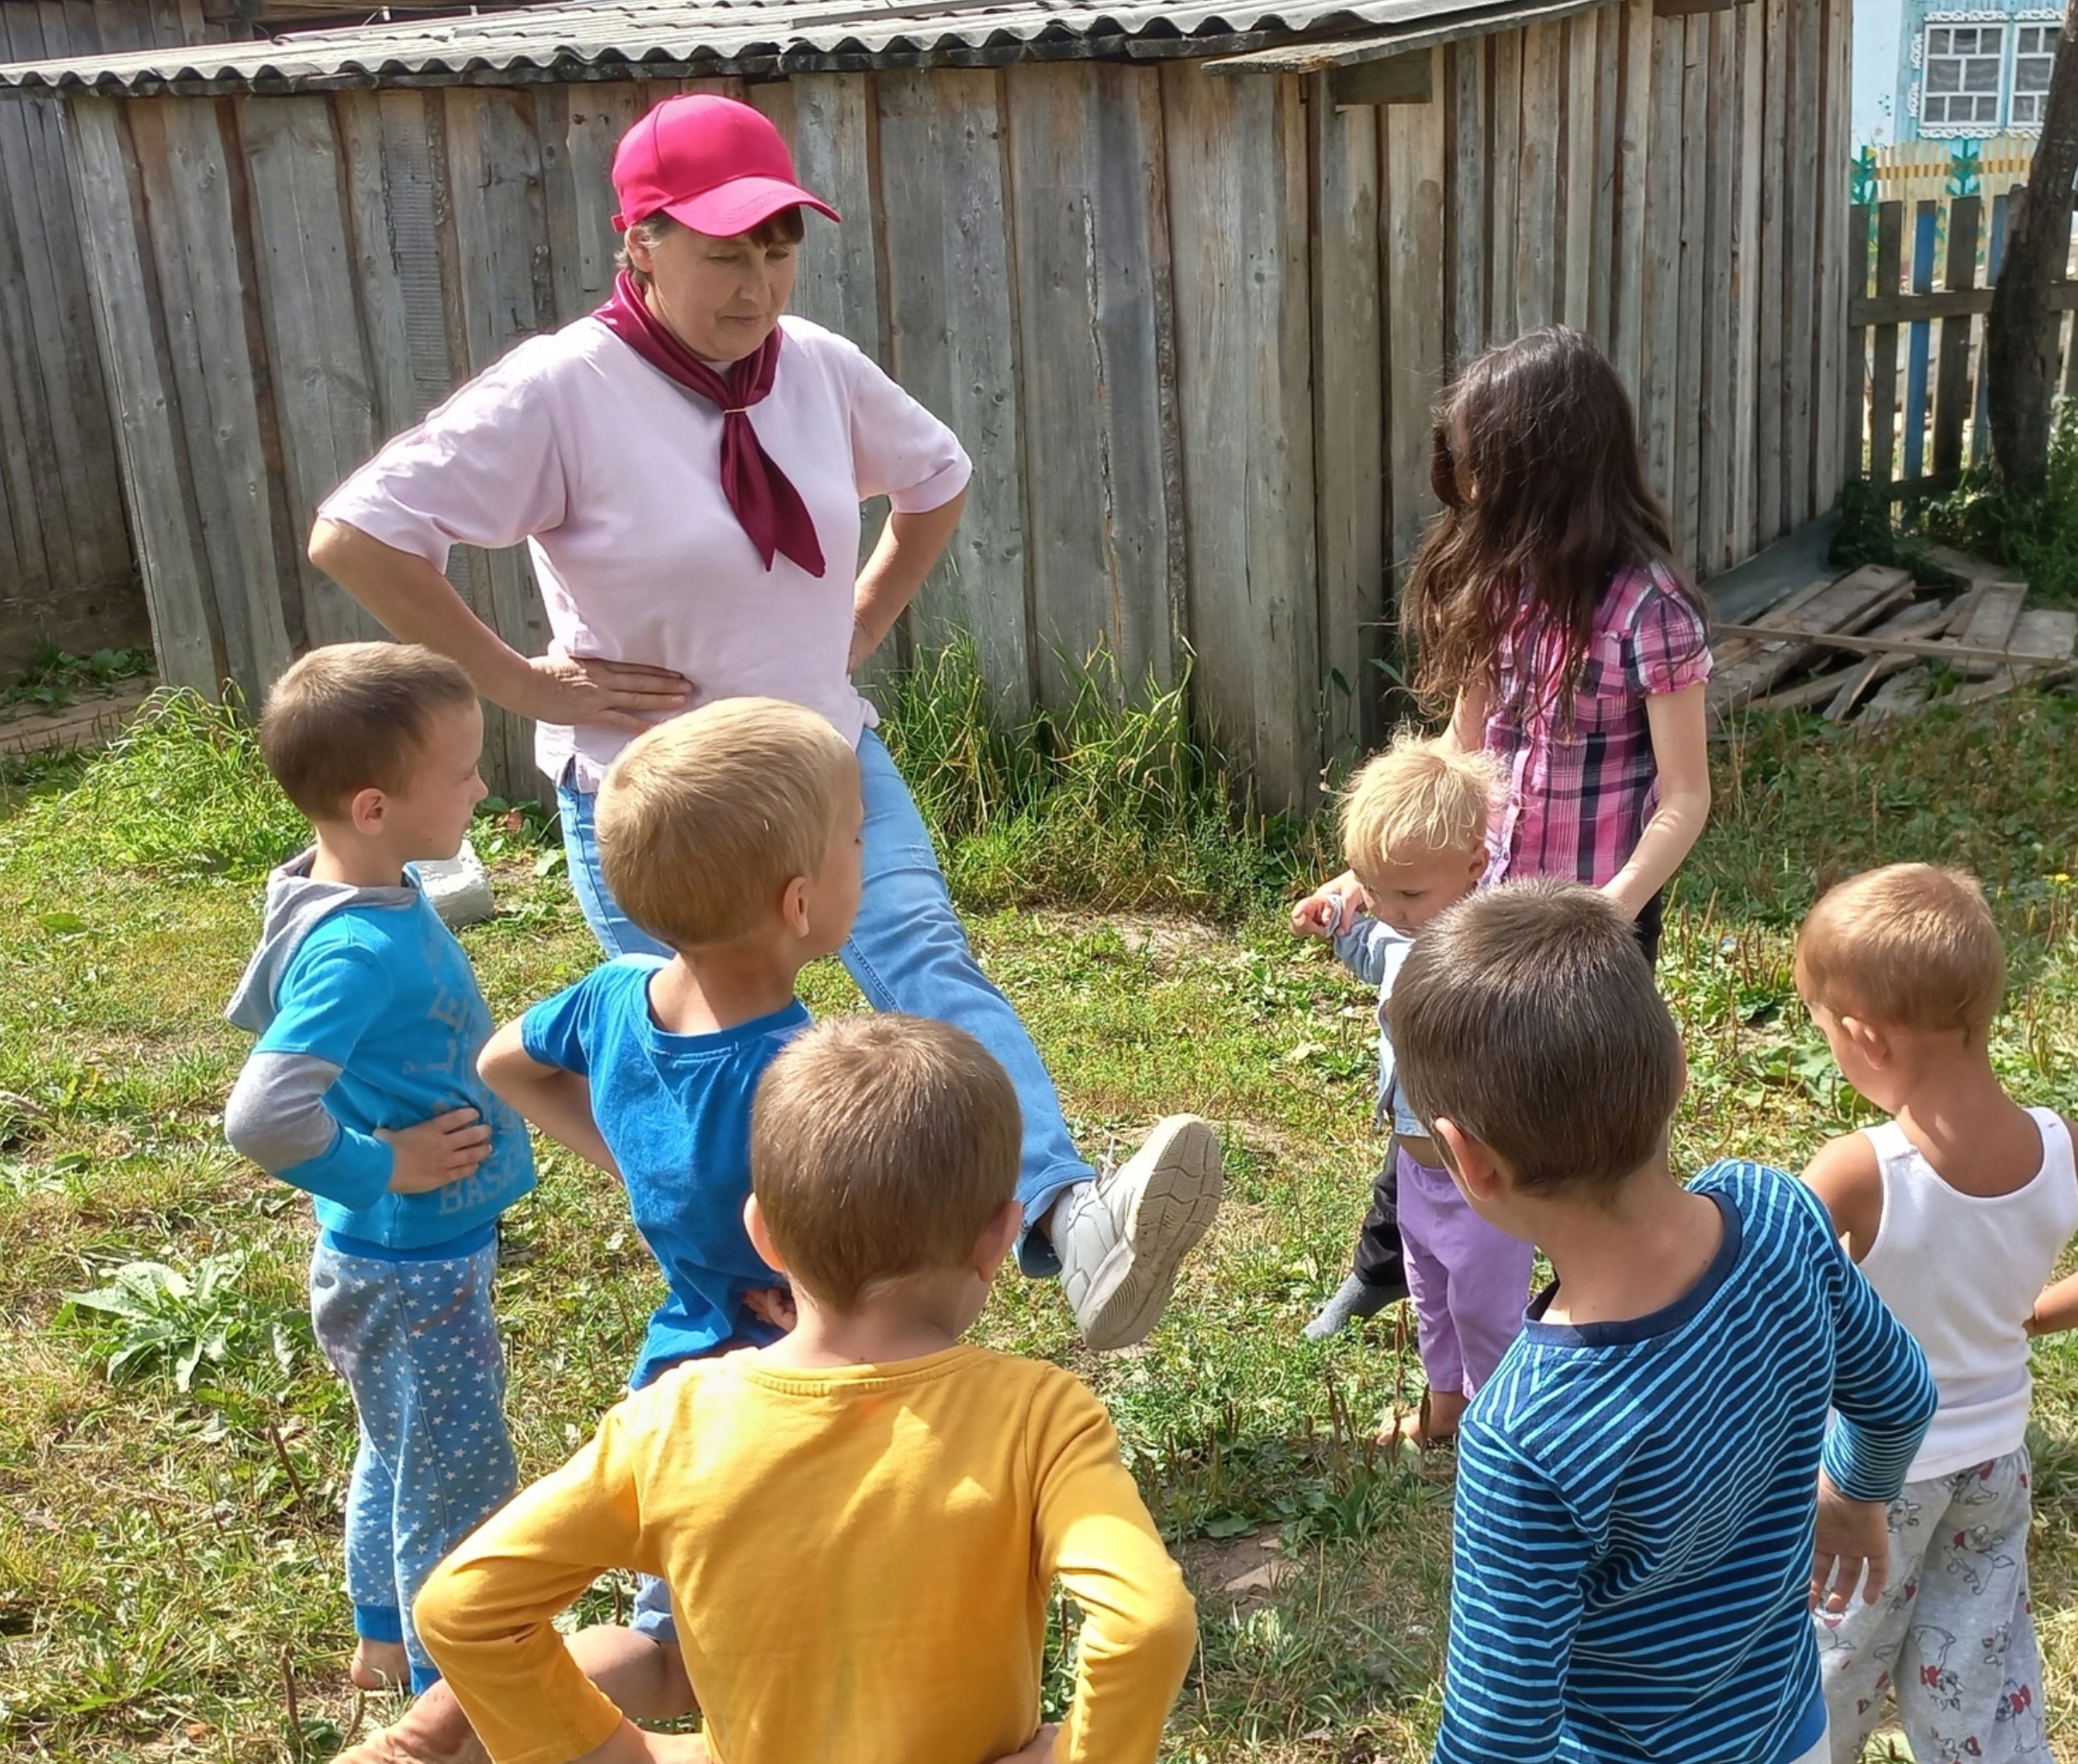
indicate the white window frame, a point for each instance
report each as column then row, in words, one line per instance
column 2050, row 25
column 1976, row 127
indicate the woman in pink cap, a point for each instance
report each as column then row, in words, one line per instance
column 686, row 466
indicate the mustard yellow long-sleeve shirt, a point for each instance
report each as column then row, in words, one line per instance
column 859, row 1561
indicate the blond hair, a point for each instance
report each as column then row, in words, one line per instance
column 1419, row 796
column 1911, row 946
column 354, row 717
column 881, row 1146
column 704, row 820
column 1527, row 1016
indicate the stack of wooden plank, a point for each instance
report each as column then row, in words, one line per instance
column 1872, row 646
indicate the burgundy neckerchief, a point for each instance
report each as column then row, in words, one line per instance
column 764, row 500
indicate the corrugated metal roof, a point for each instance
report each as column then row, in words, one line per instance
column 615, row 39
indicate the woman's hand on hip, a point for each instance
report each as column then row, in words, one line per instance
column 590, row 693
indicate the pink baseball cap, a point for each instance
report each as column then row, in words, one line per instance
column 710, row 163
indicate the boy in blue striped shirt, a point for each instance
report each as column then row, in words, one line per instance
column 1648, row 1494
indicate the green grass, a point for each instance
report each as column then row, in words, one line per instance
column 169, row 1559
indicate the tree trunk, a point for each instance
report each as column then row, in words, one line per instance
column 2020, row 337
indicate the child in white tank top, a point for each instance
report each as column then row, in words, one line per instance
column 1957, row 1210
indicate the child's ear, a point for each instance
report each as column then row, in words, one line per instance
column 1472, row 1160
column 364, row 810
column 998, row 1238
column 1868, row 1039
column 761, row 1236
column 793, row 906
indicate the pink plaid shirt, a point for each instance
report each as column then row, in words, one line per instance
column 1580, row 792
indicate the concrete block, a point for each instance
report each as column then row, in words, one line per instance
column 459, row 887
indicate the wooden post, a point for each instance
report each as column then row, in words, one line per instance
column 1952, row 402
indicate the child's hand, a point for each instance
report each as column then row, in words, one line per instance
column 436, row 1152
column 1319, row 914
column 1854, row 1544
column 773, row 1305
column 1038, row 1751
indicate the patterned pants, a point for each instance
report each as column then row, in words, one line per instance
column 1953, row 1634
column 417, row 1342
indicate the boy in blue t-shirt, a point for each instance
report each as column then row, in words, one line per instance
column 1696, row 1432
column 732, row 835
column 363, row 1090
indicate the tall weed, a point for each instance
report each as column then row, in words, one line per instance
column 1113, row 803
column 2036, row 537
column 184, row 789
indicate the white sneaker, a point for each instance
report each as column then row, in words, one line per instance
column 1121, row 1237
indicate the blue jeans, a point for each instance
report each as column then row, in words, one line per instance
column 908, row 953
column 417, row 1342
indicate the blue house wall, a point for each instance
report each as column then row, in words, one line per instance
column 1971, row 71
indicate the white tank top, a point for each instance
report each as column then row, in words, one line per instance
column 1961, row 1272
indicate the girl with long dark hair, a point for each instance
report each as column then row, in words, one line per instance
column 1545, row 612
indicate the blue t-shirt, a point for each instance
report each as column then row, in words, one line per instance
column 388, row 995
column 675, row 1112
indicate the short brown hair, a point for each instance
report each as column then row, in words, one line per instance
column 786, row 227
column 1416, row 794
column 1911, row 945
column 703, row 820
column 1527, row 1016
column 880, row 1147
column 354, row 717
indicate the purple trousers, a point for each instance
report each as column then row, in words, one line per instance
column 1469, row 1280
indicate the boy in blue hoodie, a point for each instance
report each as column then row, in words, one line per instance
column 363, row 1090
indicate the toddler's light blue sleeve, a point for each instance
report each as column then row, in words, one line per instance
column 331, row 996
column 1370, row 950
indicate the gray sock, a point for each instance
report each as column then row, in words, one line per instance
column 1352, row 1299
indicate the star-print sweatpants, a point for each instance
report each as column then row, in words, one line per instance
column 1952, row 1635
column 417, row 1342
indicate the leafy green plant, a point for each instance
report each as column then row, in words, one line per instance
column 1868, row 533
column 2036, row 536
column 158, row 1320
column 55, row 678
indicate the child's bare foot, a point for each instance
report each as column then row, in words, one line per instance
column 380, row 1666
column 1433, row 1424
column 432, row 1731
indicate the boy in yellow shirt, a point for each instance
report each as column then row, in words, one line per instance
column 860, row 1523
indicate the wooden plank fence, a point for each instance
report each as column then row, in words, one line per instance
column 67, row 570
column 1917, row 348
column 1191, row 322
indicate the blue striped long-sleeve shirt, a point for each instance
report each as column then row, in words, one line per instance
column 1637, row 1503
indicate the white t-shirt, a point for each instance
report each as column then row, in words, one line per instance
column 612, row 473
column 1961, row 1272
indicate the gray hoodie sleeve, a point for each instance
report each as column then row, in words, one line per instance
column 276, row 1114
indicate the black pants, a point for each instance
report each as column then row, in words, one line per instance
column 1380, row 1260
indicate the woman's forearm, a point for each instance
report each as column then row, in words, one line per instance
column 910, row 547
column 417, row 605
